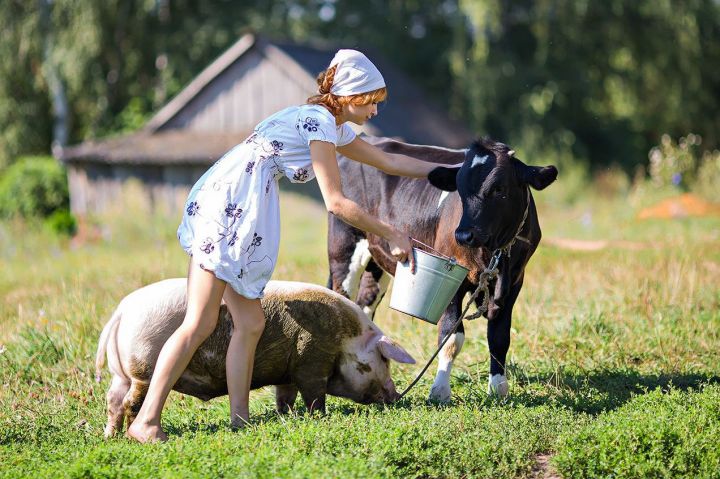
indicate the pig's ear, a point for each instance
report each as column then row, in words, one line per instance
column 392, row 350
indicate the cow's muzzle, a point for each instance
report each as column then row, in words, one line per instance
column 471, row 237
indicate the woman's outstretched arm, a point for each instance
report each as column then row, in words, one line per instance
column 391, row 163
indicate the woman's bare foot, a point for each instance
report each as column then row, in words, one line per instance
column 146, row 433
column 238, row 422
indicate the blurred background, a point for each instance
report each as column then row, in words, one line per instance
column 616, row 93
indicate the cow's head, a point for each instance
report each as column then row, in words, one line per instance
column 493, row 190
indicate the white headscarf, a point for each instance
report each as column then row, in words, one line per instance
column 354, row 74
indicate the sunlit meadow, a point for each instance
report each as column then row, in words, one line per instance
column 614, row 363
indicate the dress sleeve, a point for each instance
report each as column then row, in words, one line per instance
column 345, row 135
column 315, row 125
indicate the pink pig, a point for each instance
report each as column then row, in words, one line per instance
column 315, row 341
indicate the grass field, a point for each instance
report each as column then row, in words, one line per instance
column 614, row 364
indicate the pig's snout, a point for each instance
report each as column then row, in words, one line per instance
column 380, row 394
column 390, row 394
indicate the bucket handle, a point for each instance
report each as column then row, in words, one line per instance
column 451, row 262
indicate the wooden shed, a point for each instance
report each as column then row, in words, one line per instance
column 254, row 78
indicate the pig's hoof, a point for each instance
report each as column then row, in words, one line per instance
column 498, row 385
column 440, row 393
column 110, row 432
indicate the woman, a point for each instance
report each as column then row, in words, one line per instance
column 231, row 227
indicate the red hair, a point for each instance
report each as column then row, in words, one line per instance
column 334, row 103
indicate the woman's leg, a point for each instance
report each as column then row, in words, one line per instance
column 248, row 325
column 204, row 294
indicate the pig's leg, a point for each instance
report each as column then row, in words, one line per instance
column 285, row 397
column 313, row 394
column 133, row 399
column 115, row 410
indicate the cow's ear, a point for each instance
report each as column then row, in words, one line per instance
column 539, row 177
column 444, row 178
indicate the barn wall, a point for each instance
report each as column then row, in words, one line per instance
column 248, row 91
column 96, row 188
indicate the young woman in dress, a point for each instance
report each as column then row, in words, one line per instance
column 231, row 223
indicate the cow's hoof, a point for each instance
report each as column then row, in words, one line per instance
column 440, row 394
column 498, row 385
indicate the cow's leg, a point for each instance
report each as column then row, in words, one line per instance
column 134, row 398
column 348, row 256
column 115, row 410
column 441, row 387
column 285, row 397
column 373, row 287
column 498, row 336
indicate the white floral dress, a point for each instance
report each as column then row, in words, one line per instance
column 231, row 222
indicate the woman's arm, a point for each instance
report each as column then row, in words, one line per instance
column 391, row 163
column 328, row 176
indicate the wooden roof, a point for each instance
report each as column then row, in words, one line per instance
column 166, row 147
column 408, row 114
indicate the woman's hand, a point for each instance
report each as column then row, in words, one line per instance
column 401, row 248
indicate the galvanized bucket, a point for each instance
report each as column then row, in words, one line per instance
column 428, row 292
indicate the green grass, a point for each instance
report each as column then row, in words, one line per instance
column 614, row 363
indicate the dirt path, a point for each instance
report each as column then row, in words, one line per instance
column 594, row 245
column 543, row 469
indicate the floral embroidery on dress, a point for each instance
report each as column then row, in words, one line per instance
column 249, row 167
column 233, row 210
column 277, row 146
column 207, row 246
column 301, row 175
column 256, row 241
column 233, row 239
column 311, row 124
column 192, row 208
column 251, row 138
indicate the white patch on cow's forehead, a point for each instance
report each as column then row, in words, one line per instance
column 479, row 160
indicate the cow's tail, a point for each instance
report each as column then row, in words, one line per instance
column 107, row 331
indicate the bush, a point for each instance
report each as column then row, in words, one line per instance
column 33, row 187
column 684, row 166
column 62, row 222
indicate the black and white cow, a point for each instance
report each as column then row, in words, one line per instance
column 480, row 210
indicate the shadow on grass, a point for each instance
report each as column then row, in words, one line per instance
column 595, row 391
column 590, row 393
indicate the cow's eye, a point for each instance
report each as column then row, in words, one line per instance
column 497, row 191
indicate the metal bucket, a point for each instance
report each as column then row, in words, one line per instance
column 428, row 292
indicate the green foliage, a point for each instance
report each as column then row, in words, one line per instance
column 684, row 166
column 600, row 81
column 62, row 222
column 708, row 176
column 675, row 164
column 603, row 78
column 25, row 123
column 658, row 434
column 33, row 187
